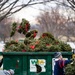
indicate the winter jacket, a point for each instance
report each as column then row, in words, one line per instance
column 59, row 66
column 4, row 72
column 7, row 72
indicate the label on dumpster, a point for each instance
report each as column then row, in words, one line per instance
column 41, row 62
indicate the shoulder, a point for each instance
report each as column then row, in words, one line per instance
column 61, row 63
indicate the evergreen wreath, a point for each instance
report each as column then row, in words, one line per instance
column 23, row 27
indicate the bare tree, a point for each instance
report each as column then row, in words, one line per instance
column 66, row 3
column 56, row 23
column 9, row 7
column 72, row 3
column 52, row 21
column 5, row 28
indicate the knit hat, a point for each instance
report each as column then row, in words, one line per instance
column 57, row 54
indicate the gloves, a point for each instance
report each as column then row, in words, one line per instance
column 72, row 59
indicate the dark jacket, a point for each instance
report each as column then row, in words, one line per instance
column 59, row 66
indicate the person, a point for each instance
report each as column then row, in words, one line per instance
column 60, row 63
column 7, row 72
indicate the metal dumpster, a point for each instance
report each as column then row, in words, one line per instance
column 23, row 63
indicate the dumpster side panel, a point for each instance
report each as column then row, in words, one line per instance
column 13, row 62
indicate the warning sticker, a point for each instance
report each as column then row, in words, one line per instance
column 40, row 62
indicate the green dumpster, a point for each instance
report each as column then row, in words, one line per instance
column 23, row 63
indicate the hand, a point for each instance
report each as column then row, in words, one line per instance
column 72, row 59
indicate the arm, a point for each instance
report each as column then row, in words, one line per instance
column 63, row 63
column 67, row 62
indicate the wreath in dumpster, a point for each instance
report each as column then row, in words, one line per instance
column 14, row 46
column 70, row 68
column 23, row 27
column 45, row 43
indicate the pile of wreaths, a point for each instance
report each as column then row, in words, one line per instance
column 45, row 43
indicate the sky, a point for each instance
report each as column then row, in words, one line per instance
column 31, row 12
column 28, row 13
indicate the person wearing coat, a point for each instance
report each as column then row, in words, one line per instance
column 60, row 64
column 7, row 72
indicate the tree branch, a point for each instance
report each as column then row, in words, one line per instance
column 2, row 17
column 72, row 3
column 3, row 3
column 24, row 5
column 9, row 5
